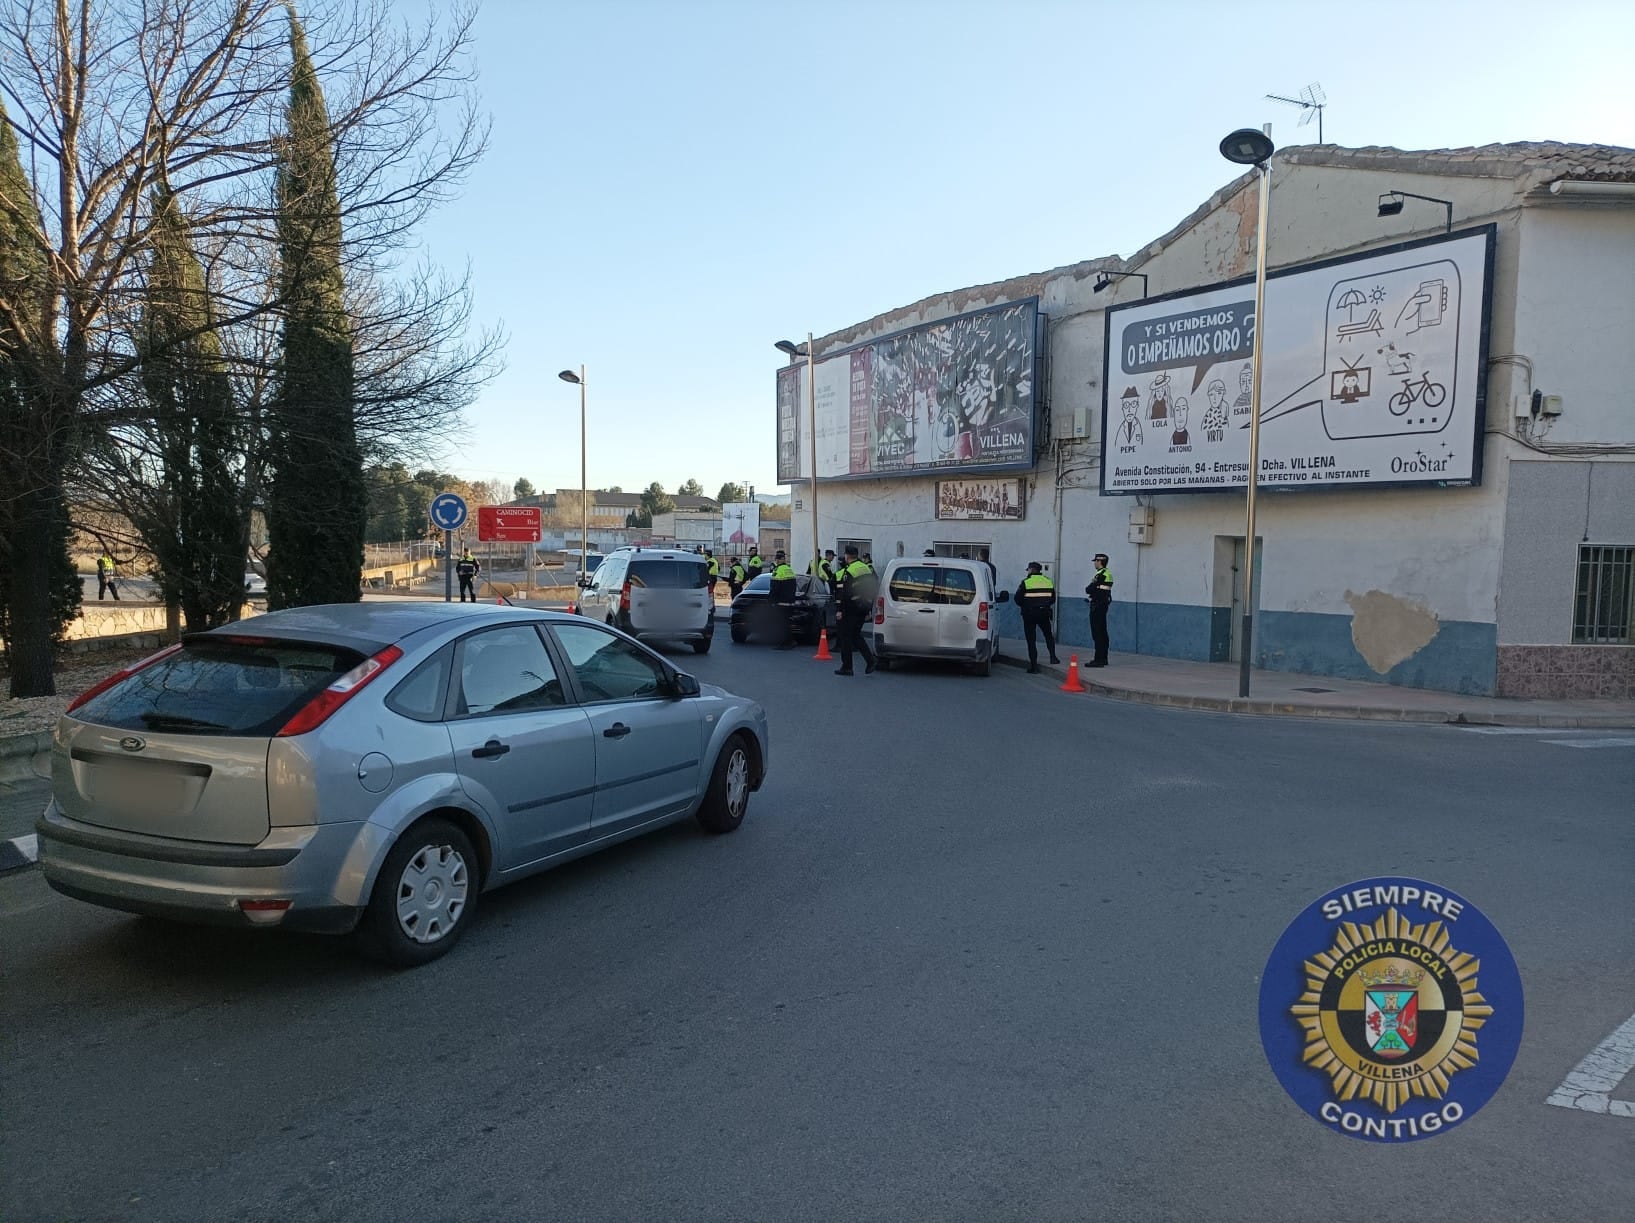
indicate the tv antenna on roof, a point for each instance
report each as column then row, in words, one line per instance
column 1311, row 101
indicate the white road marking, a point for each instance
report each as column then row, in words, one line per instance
column 1590, row 742
column 1586, row 1087
column 1524, row 730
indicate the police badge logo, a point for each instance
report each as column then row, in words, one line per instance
column 1391, row 1010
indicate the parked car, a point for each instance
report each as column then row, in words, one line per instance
column 376, row 767
column 653, row 593
column 937, row 607
column 753, row 613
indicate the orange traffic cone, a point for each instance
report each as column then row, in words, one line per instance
column 823, row 654
column 499, row 602
column 1072, row 684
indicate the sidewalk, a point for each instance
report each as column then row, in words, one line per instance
column 20, row 805
column 1214, row 685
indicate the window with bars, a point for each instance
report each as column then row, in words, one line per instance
column 1604, row 610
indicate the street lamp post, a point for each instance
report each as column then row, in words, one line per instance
column 1248, row 147
column 568, row 375
column 808, row 350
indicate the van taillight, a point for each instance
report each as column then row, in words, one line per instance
column 982, row 616
column 103, row 686
column 316, row 711
column 880, row 610
column 624, row 596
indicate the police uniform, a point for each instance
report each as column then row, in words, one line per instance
column 715, row 572
column 105, row 577
column 1100, row 591
column 857, row 590
column 466, row 570
column 735, row 579
column 755, row 563
column 783, row 593
column 1036, row 600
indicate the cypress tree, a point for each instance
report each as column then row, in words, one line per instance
column 194, row 522
column 39, row 588
column 318, row 504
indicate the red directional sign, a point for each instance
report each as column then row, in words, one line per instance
column 515, row 524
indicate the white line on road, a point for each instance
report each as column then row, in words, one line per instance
column 1523, row 730
column 1586, row 1087
column 1590, row 742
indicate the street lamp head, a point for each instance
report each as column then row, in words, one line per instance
column 1390, row 204
column 1102, row 281
column 568, row 375
column 789, row 347
column 1247, row 147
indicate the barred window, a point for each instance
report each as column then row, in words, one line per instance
column 1604, row 610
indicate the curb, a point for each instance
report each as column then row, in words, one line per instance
column 21, row 754
column 1362, row 713
column 19, row 852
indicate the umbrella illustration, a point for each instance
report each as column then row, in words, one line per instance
column 1349, row 301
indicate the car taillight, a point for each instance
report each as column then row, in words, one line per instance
column 316, row 711
column 880, row 610
column 624, row 596
column 982, row 616
column 118, row 676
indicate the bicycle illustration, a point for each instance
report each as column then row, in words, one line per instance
column 1433, row 393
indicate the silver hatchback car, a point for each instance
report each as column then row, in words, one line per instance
column 377, row 766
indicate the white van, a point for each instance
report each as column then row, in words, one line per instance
column 653, row 592
column 937, row 607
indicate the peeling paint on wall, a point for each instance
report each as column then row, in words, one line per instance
column 1387, row 629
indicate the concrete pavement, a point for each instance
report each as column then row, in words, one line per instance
column 1214, row 686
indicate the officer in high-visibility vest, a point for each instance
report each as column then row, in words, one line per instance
column 1100, row 592
column 783, row 594
column 857, row 590
column 1036, row 600
column 735, row 577
column 755, row 565
column 466, row 570
column 106, row 582
column 715, row 572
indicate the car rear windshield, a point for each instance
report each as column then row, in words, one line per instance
column 221, row 686
column 669, row 575
column 933, row 584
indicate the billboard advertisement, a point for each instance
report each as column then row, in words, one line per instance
column 1374, row 376
column 740, row 526
column 959, row 394
column 980, row 500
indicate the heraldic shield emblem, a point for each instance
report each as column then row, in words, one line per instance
column 1391, row 1009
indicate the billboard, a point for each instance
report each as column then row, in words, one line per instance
column 740, row 525
column 959, row 394
column 980, row 500
column 1374, row 376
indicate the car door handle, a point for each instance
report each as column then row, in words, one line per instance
column 928, row 611
column 490, row 749
column 617, row 731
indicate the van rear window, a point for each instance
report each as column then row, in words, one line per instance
column 670, row 575
column 933, row 584
column 221, row 686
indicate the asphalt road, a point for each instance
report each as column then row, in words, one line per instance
column 982, row 951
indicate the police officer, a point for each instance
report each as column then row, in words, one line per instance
column 735, row 577
column 1100, row 591
column 106, row 578
column 857, row 590
column 466, row 570
column 715, row 572
column 1036, row 600
column 755, row 564
column 783, row 594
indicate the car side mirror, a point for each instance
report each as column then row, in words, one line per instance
column 684, row 685
column 1004, row 596
column 584, row 583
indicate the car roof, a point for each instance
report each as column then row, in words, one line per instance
column 950, row 562
column 368, row 627
column 661, row 554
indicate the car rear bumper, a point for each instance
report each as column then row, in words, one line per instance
column 981, row 651
column 202, row 882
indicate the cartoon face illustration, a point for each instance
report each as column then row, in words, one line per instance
column 1130, row 403
column 1181, row 410
column 1246, row 379
column 1348, row 385
column 1217, row 394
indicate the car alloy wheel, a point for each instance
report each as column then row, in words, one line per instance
column 737, row 782
column 431, row 893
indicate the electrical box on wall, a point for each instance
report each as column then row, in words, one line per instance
column 1083, row 418
column 1141, row 532
column 1142, row 516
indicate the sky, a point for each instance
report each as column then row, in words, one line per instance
column 673, row 185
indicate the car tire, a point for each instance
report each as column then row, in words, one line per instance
column 739, row 635
column 415, row 928
column 882, row 664
column 702, row 646
column 727, row 799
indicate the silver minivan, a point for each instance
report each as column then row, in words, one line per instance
column 658, row 593
column 378, row 766
column 938, row 607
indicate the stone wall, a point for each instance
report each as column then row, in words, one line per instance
column 1567, row 672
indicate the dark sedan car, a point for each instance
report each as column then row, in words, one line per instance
column 754, row 614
